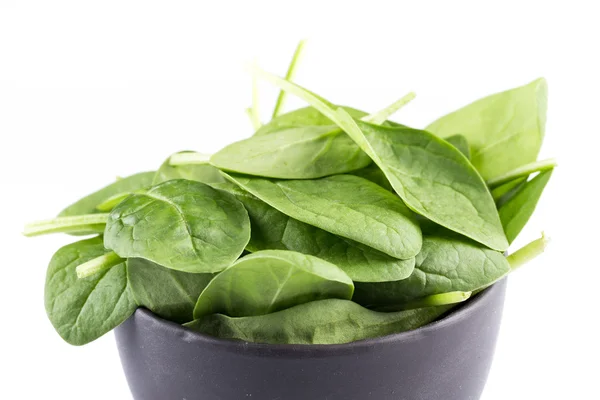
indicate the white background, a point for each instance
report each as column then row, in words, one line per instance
column 92, row 90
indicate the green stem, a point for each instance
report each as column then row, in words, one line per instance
column 382, row 115
column 188, row 158
column 110, row 203
column 98, row 264
column 435, row 300
column 254, row 119
column 528, row 252
column 77, row 223
column 521, row 172
column 289, row 76
column 322, row 105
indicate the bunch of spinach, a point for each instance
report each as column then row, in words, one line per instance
column 328, row 225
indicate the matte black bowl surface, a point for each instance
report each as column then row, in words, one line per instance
column 445, row 360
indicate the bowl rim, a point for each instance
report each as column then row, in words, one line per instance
column 454, row 317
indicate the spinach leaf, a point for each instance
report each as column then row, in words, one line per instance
column 82, row 310
column 296, row 153
column 168, row 293
column 461, row 143
column 433, row 178
column 331, row 321
column 516, row 211
column 285, row 279
column 204, row 173
column 271, row 229
column 345, row 205
column 505, row 130
column 180, row 224
column 88, row 204
column 304, row 144
column 445, row 264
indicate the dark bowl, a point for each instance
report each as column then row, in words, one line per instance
column 445, row 360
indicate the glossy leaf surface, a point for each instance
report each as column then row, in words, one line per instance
column 180, row 224
column 272, row 280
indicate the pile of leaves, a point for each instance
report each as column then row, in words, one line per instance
column 328, row 225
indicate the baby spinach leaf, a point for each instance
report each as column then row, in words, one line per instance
column 271, row 229
column 88, row 204
column 345, row 205
column 445, row 264
column 180, row 224
column 461, row 143
column 331, row 321
column 204, row 173
column 82, row 310
column 295, row 153
column 433, row 178
column 505, row 130
column 516, row 211
column 167, row 293
column 303, row 144
column 285, row 279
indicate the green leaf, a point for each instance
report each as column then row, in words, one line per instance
column 516, row 211
column 461, row 143
column 204, row 173
column 345, row 205
column 331, row 321
column 88, row 204
column 271, row 229
column 296, row 153
column 82, row 310
column 180, row 224
column 285, row 279
column 505, row 130
column 444, row 265
column 433, row 178
column 167, row 293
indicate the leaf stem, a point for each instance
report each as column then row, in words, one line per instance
column 256, row 124
column 528, row 252
column 77, row 223
column 110, row 203
column 434, row 300
column 522, row 171
column 380, row 116
column 289, row 76
column 98, row 264
column 189, row 158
